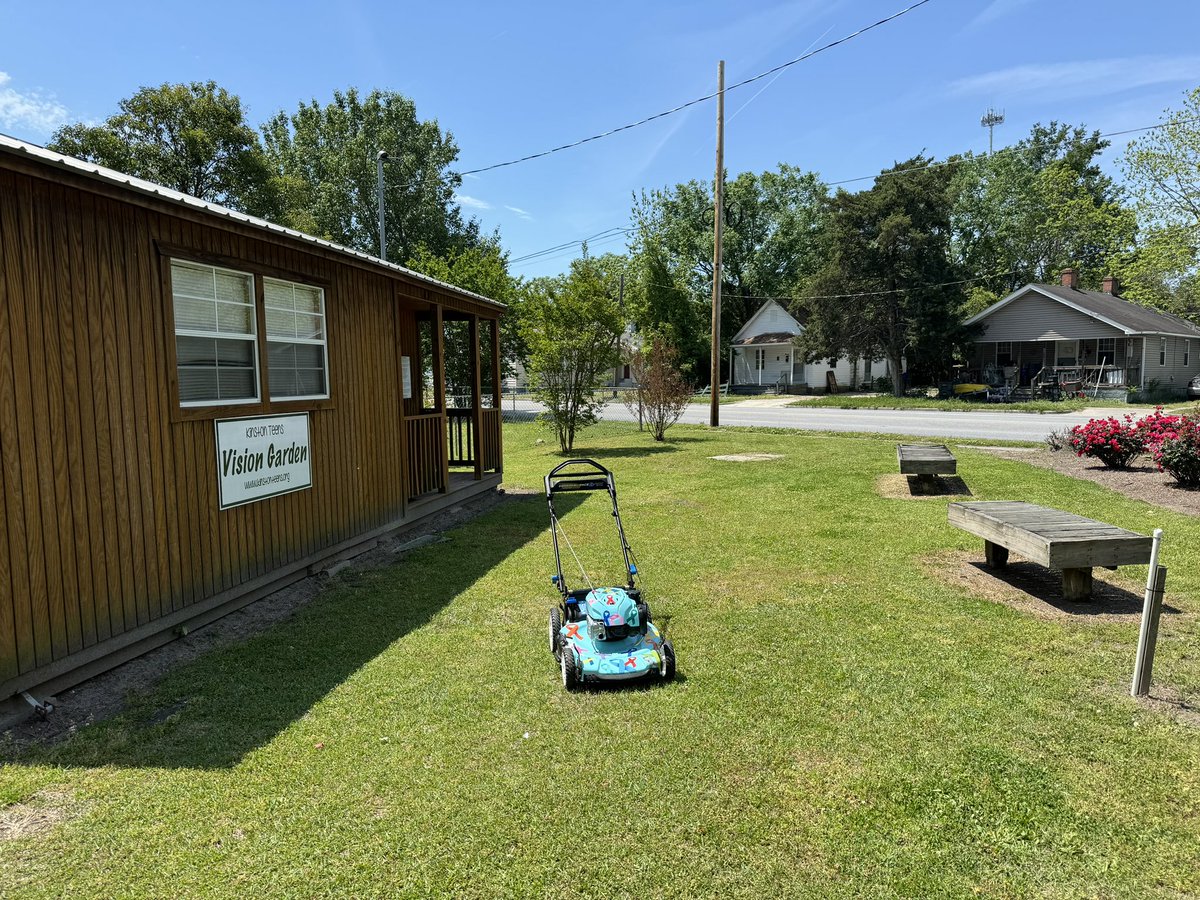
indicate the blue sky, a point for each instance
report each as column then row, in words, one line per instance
column 508, row 79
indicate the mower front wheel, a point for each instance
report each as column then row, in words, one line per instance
column 555, row 630
column 570, row 670
column 666, row 666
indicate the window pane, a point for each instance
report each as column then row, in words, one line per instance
column 280, row 323
column 196, row 385
column 194, row 351
column 278, row 294
column 233, row 319
column 308, row 299
column 283, row 383
column 309, row 356
column 281, row 355
column 234, row 287
column 192, row 279
column 195, row 315
column 309, row 327
column 234, row 352
column 235, row 384
column 312, row 381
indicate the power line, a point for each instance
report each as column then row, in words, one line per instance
column 606, row 233
column 706, row 97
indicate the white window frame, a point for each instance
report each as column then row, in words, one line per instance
column 323, row 341
column 252, row 336
column 760, row 358
column 1187, row 353
column 1162, row 352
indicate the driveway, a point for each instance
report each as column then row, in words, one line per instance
column 995, row 426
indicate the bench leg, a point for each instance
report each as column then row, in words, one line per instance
column 1077, row 585
column 995, row 555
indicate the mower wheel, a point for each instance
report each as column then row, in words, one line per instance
column 555, row 630
column 570, row 672
column 666, row 668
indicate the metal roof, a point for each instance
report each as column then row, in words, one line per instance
column 1132, row 318
column 772, row 337
column 17, row 147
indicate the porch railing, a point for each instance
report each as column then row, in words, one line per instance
column 491, row 443
column 425, row 453
column 460, row 436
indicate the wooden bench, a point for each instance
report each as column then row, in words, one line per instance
column 926, row 461
column 1052, row 538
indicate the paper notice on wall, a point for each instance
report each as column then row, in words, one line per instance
column 406, row 374
column 262, row 457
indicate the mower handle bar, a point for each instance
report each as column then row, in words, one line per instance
column 583, row 475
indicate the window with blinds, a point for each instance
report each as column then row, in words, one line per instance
column 297, row 360
column 216, row 346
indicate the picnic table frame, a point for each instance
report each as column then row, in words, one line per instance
column 1052, row 538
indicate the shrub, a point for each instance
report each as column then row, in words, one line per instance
column 1057, row 440
column 1155, row 427
column 1113, row 441
column 1177, row 452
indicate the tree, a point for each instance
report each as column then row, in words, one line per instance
column 889, row 247
column 190, row 137
column 1162, row 169
column 770, row 223
column 662, row 393
column 572, row 325
column 1028, row 210
column 327, row 158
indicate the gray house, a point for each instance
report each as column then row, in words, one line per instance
column 1090, row 339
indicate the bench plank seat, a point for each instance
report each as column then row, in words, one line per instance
column 1052, row 538
column 925, row 459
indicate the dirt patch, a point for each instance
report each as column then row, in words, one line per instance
column 36, row 816
column 1141, row 482
column 909, row 487
column 1165, row 699
column 1036, row 590
column 748, row 457
column 105, row 695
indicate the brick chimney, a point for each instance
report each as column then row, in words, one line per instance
column 1111, row 285
column 1070, row 278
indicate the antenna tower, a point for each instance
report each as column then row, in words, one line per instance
column 990, row 120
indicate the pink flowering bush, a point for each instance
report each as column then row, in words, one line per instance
column 1177, row 451
column 1113, row 441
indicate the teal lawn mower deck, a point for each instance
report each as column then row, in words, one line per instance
column 601, row 634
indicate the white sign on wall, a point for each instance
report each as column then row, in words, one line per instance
column 262, row 457
column 406, row 375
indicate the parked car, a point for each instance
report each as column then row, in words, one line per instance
column 1193, row 389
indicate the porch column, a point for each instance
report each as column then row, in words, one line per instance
column 439, row 393
column 476, row 400
column 497, row 399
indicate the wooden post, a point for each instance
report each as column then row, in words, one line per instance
column 496, row 396
column 1156, row 578
column 439, row 394
column 995, row 555
column 1077, row 585
column 714, row 411
column 476, row 400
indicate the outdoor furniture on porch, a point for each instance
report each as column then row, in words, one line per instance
column 926, row 462
column 1052, row 538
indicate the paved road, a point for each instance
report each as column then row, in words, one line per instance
column 1008, row 426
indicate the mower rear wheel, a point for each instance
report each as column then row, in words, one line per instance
column 555, row 630
column 666, row 667
column 570, row 674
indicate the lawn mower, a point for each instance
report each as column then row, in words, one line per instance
column 600, row 633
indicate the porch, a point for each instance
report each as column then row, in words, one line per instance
column 1105, row 364
column 450, row 374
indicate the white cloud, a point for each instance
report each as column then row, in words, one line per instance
column 997, row 9
column 1085, row 78
column 30, row 111
column 520, row 213
column 473, row 202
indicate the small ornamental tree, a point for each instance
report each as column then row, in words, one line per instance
column 661, row 394
column 571, row 325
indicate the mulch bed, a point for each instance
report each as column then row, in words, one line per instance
column 1142, row 481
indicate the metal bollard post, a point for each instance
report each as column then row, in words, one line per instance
column 1156, row 580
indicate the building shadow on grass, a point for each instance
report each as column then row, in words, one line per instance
column 213, row 711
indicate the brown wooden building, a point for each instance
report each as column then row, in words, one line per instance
column 198, row 407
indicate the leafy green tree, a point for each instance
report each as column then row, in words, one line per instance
column 326, row 155
column 770, row 223
column 1028, row 210
column 1162, row 170
column 572, row 325
column 658, row 303
column 890, row 246
column 190, row 137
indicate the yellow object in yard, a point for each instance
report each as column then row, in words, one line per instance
column 970, row 388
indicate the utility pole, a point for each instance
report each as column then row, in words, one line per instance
column 380, row 158
column 990, row 120
column 621, row 304
column 714, row 414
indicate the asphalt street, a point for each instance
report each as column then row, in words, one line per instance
column 983, row 425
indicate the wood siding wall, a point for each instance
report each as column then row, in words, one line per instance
column 1034, row 317
column 109, row 514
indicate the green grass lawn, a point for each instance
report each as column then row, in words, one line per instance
column 845, row 724
column 853, row 401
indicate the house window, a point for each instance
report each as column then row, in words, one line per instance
column 1106, row 351
column 625, row 373
column 867, row 370
column 1004, row 354
column 1162, row 351
column 216, row 341
column 296, row 352
column 1187, row 353
column 760, row 359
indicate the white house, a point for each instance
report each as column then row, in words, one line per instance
column 763, row 355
